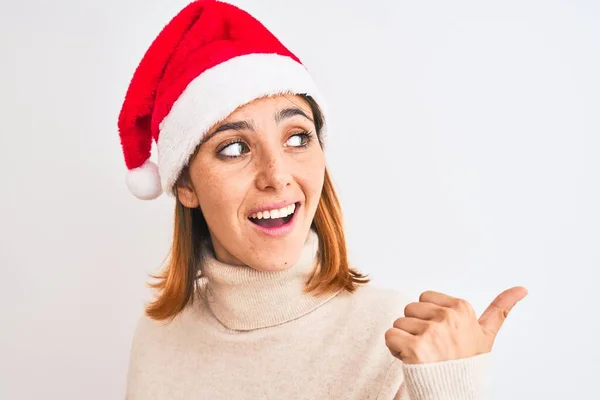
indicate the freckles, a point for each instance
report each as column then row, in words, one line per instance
column 225, row 191
column 210, row 182
column 210, row 188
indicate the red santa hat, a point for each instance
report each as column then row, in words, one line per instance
column 210, row 59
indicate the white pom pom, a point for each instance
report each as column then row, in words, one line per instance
column 144, row 181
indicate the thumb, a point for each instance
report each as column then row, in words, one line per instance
column 494, row 316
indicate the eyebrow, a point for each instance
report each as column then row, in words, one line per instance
column 233, row 126
column 248, row 126
column 289, row 113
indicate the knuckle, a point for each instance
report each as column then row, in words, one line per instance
column 464, row 305
column 444, row 314
column 425, row 295
column 409, row 309
column 429, row 328
column 391, row 339
column 389, row 334
column 399, row 323
column 459, row 304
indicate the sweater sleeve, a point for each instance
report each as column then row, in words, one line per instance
column 463, row 379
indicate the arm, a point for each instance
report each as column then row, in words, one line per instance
column 463, row 379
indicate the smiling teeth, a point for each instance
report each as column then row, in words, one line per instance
column 280, row 213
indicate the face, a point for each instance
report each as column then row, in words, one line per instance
column 257, row 177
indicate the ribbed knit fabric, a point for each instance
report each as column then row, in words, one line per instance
column 243, row 298
column 451, row 380
column 257, row 335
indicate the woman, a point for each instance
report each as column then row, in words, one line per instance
column 258, row 300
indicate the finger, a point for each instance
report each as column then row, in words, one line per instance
column 414, row 326
column 426, row 311
column 438, row 298
column 494, row 316
column 398, row 341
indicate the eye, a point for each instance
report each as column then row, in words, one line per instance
column 233, row 150
column 298, row 140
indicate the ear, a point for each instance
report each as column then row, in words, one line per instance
column 187, row 195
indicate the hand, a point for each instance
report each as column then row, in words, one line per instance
column 440, row 327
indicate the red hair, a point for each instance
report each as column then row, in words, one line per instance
column 177, row 283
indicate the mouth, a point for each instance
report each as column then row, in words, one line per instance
column 273, row 219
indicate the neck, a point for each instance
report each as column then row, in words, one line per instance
column 243, row 298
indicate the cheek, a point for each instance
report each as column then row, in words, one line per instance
column 220, row 194
column 312, row 178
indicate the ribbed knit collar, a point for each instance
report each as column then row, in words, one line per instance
column 243, row 298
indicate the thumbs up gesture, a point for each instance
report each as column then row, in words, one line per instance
column 440, row 327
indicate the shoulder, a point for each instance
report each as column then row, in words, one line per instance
column 379, row 304
column 154, row 334
column 373, row 292
column 368, row 312
column 361, row 319
column 150, row 330
column 152, row 356
column 149, row 337
column 156, row 349
column 142, row 356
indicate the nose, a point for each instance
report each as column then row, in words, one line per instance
column 273, row 171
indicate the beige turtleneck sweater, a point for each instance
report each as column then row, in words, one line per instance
column 256, row 335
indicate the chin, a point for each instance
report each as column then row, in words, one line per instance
column 275, row 260
column 276, row 255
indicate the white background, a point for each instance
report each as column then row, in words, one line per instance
column 466, row 149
